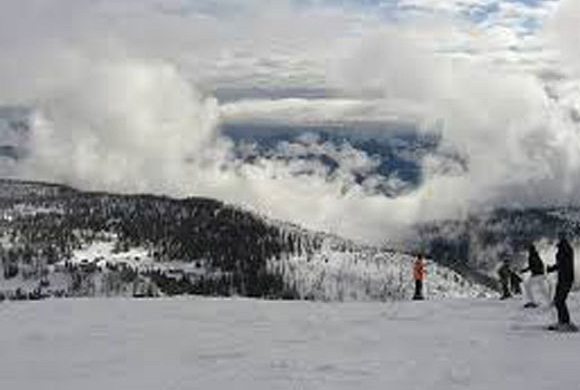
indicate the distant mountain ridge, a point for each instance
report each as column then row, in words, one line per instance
column 397, row 153
column 14, row 131
column 481, row 241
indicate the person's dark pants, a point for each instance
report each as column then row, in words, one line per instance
column 515, row 284
column 562, row 290
column 505, row 288
column 418, row 290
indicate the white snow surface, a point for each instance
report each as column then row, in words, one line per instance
column 195, row 343
column 102, row 252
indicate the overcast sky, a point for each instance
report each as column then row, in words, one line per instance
column 130, row 96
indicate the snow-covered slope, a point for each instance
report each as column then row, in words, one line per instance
column 365, row 273
column 482, row 240
column 67, row 242
column 248, row 344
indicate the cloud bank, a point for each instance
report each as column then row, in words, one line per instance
column 123, row 93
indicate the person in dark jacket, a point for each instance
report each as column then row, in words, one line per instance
column 537, row 280
column 504, row 272
column 565, row 267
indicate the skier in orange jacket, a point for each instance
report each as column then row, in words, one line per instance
column 419, row 275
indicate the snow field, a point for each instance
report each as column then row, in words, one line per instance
column 193, row 343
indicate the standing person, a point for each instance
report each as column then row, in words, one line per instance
column 419, row 274
column 504, row 272
column 515, row 282
column 537, row 279
column 565, row 267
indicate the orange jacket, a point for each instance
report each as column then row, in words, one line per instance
column 419, row 272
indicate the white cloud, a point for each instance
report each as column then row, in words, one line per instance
column 121, row 124
column 521, row 147
column 119, row 82
column 564, row 29
column 331, row 111
column 453, row 7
